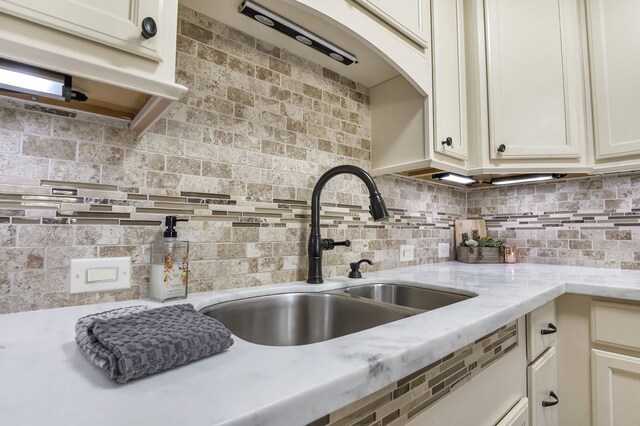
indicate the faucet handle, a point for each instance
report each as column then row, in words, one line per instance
column 329, row 244
column 355, row 268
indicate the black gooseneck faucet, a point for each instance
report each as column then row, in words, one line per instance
column 317, row 244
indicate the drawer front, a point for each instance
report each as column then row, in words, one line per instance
column 616, row 387
column 615, row 324
column 538, row 322
column 517, row 416
column 543, row 381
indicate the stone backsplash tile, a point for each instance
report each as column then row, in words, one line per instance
column 238, row 156
column 592, row 221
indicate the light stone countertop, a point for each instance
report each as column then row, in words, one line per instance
column 44, row 379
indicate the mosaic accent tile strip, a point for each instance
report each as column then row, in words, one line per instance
column 116, row 211
column 401, row 401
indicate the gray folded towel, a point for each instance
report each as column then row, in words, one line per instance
column 134, row 342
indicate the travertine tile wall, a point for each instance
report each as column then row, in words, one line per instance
column 592, row 221
column 238, row 156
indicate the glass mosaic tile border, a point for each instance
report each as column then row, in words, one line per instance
column 401, row 401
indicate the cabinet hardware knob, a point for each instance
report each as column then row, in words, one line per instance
column 550, row 330
column 149, row 27
column 553, row 395
column 502, row 148
column 447, row 142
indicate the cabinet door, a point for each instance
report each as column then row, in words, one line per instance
column 410, row 17
column 616, row 387
column 615, row 66
column 449, row 88
column 116, row 23
column 535, row 79
column 518, row 416
column 543, row 381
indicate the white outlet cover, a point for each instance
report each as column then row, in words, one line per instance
column 406, row 253
column 99, row 274
column 443, row 250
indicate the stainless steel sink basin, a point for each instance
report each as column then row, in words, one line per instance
column 415, row 297
column 293, row 319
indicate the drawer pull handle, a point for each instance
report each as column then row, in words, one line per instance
column 552, row 329
column 447, row 142
column 502, row 148
column 553, row 395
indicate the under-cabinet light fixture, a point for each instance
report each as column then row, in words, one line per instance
column 19, row 78
column 508, row 180
column 452, row 177
column 279, row 23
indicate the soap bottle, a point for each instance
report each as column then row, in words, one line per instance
column 169, row 265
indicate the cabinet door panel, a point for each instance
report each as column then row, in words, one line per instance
column 615, row 59
column 536, row 90
column 543, row 379
column 410, row 17
column 616, row 386
column 116, row 23
column 449, row 88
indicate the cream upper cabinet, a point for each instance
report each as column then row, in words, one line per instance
column 115, row 23
column 410, row 17
column 449, row 87
column 536, row 91
column 614, row 36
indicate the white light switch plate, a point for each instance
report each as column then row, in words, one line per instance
column 99, row 274
column 443, row 250
column 406, row 253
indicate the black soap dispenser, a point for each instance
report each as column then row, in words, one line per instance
column 169, row 264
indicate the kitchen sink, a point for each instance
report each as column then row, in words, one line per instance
column 422, row 298
column 293, row 319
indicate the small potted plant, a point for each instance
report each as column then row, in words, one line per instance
column 477, row 249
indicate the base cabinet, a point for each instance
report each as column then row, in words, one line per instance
column 542, row 373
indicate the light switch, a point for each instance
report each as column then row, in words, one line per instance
column 101, row 274
column 406, row 253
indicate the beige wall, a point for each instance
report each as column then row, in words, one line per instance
column 238, row 156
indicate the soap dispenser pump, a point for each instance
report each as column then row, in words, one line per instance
column 169, row 264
